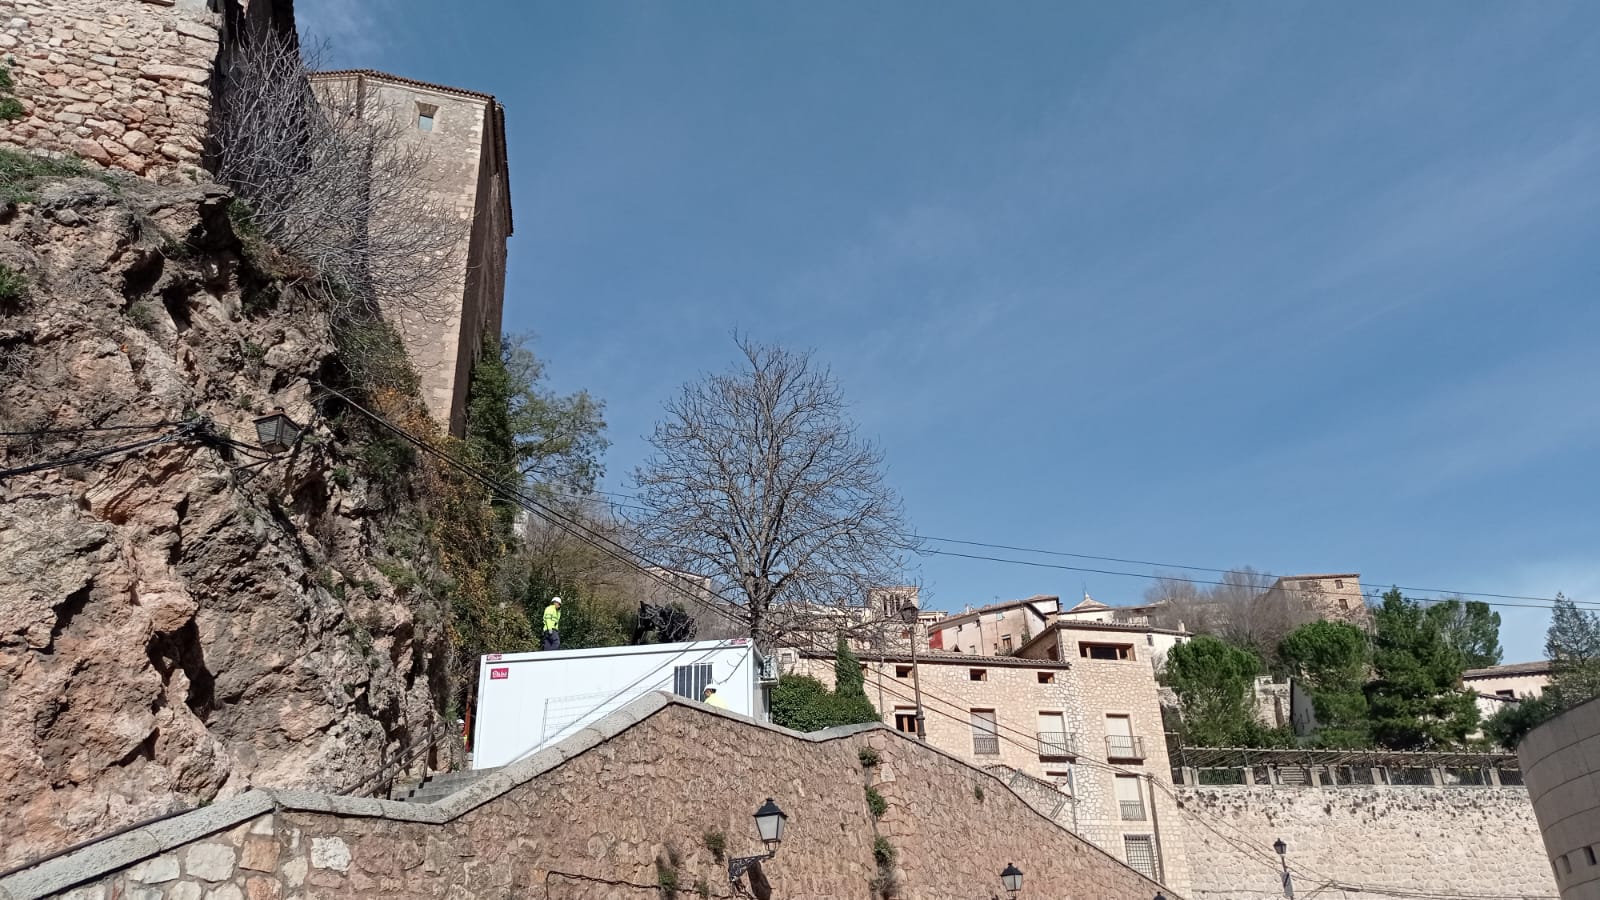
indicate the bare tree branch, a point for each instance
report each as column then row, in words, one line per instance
column 760, row 481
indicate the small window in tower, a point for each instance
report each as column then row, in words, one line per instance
column 977, row 674
column 902, row 671
column 1338, row 584
column 1047, row 678
column 425, row 116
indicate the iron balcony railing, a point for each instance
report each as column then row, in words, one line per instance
column 1123, row 747
column 986, row 744
column 1057, row 744
column 1132, row 810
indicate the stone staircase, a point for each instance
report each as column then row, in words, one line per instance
column 439, row 786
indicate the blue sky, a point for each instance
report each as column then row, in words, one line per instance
column 1308, row 287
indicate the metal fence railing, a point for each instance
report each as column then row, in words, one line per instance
column 1057, row 744
column 1121, row 746
column 986, row 744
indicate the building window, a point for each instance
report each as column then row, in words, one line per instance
column 1140, row 851
column 1130, row 798
column 1564, row 865
column 426, row 113
column 1120, row 742
column 1047, row 678
column 1005, row 643
column 902, row 671
column 1338, row 584
column 1509, row 695
column 985, row 733
column 1150, row 639
column 905, row 721
column 977, row 674
column 690, row 681
column 1062, row 780
column 1588, row 855
column 1105, row 651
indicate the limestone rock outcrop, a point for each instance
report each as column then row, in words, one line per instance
column 182, row 621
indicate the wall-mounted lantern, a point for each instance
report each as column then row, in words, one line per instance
column 1011, row 879
column 770, row 823
column 276, row 432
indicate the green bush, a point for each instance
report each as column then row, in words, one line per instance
column 868, row 757
column 10, row 107
column 883, row 852
column 876, row 803
column 802, row 703
column 717, row 843
column 13, row 287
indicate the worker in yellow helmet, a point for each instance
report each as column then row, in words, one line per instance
column 552, row 626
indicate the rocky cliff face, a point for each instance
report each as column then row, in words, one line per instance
column 183, row 621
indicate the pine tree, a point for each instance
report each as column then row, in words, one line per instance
column 1573, row 646
column 1332, row 661
column 1414, row 699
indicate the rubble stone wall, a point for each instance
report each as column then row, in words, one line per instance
column 124, row 83
column 1441, row 840
column 617, row 812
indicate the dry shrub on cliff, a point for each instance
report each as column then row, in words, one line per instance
column 333, row 179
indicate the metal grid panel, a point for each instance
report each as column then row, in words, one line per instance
column 1140, row 852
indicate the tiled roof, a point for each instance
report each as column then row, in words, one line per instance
column 946, row 656
column 1538, row 667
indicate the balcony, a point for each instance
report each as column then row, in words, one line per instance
column 1058, row 745
column 1123, row 747
column 986, row 744
column 1132, row 810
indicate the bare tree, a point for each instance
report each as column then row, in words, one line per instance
column 333, row 179
column 759, row 480
column 1245, row 608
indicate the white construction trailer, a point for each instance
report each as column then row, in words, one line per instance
column 527, row 701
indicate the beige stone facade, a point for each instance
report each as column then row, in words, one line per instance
column 1561, row 762
column 1336, row 598
column 1090, row 728
column 1497, row 686
column 994, row 630
column 619, row 811
column 463, row 133
column 1350, row 843
column 123, row 83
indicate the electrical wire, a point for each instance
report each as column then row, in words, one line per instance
column 81, row 429
column 92, row 455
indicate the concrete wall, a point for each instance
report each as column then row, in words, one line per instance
column 1470, row 841
column 1561, row 763
column 603, row 815
column 125, row 83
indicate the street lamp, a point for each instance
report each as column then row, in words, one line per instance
column 1288, row 880
column 276, row 432
column 909, row 614
column 770, row 822
column 1011, row 879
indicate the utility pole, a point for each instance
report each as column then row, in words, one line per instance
column 909, row 614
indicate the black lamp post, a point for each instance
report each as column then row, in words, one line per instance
column 1011, row 879
column 276, row 432
column 908, row 614
column 770, row 822
column 1288, row 880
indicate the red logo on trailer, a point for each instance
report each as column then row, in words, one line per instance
column 492, row 657
column 500, row 674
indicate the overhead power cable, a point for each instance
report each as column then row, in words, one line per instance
column 82, row 429
column 90, row 456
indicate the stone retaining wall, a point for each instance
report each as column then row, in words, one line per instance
column 617, row 811
column 124, row 83
column 1465, row 841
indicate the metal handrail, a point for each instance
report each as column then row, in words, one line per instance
column 1132, row 810
column 986, row 744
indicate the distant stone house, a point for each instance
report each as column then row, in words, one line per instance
column 465, row 134
column 1335, row 598
column 1497, row 687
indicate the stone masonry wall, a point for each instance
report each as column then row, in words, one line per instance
column 1476, row 841
column 124, row 83
column 616, row 812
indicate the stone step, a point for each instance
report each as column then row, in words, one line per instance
column 437, row 787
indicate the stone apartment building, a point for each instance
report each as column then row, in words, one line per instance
column 999, row 628
column 1089, row 729
column 464, row 134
